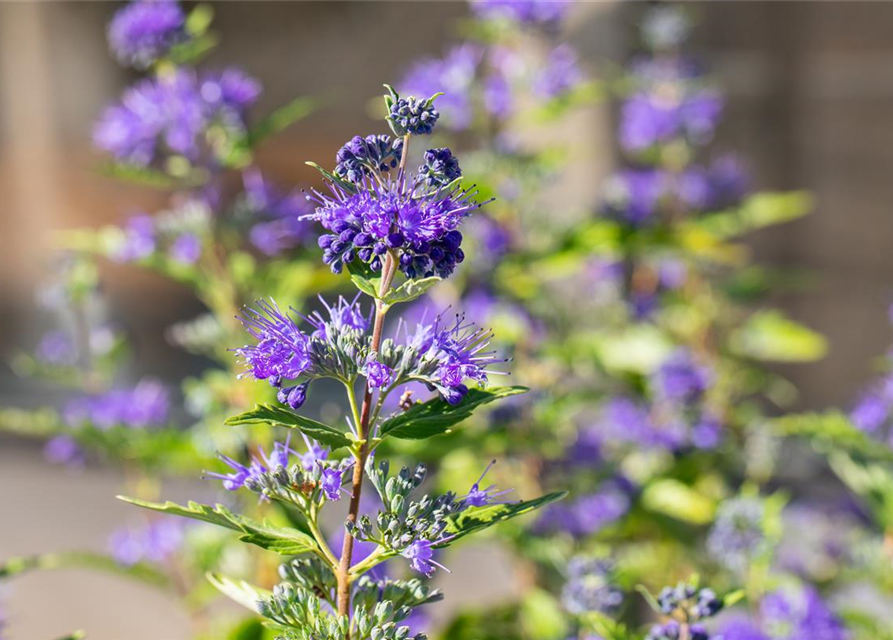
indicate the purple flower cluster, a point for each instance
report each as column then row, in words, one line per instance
column 398, row 216
column 547, row 13
column 788, row 614
column 56, row 348
column 282, row 351
column 144, row 31
column 673, row 630
column 281, row 227
column 873, row 413
column 139, row 239
column 413, row 116
column 681, row 380
column 362, row 157
column 145, row 405
column 441, row 167
column 589, row 587
column 561, row 74
column 640, row 196
column 173, row 113
column 64, row 450
column 738, row 535
column 455, row 353
column 279, row 456
column 647, row 120
column 155, row 542
column 588, row 514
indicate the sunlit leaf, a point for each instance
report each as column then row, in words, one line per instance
column 282, row 417
column 478, row 518
column 246, row 594
column 772, row 337
column 435, row 417
column 282, row 540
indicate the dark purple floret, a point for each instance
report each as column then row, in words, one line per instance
column 379, row 375
column 441, row 167
column 144, row 31
column 421, row 557
column 413, row 115
column 294, row 396
column 361, row 157
column 477, row 497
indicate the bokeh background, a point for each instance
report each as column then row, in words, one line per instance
column 810, row 93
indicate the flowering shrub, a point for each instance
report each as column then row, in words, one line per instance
column 653, row 430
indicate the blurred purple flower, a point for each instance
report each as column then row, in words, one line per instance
column 454, row 75
column 647, row 120
column 186, row 249
column 547, row 13
column 144, row 31
column 64, row 450
column 56, row 348
column 139, row 239
column 155, row 542
column 561, row 74
column 145, row 405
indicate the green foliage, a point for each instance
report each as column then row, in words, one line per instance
column 277, row 416
column 772, row 337
column 830, row 431
column 435, row 417
column 282, row 540
column 141, row 572
column 477, row 519
column 678, row 500
column 244, row 593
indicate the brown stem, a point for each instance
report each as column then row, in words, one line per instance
column 343, row 575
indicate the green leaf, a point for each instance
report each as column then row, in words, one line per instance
column 435, row 417
column 771, row 336
column 149, row 177
column 649, row 598
column 281, row 417
column 142, row 572
column 733, row 598
column 282, row 540
column 410, row 290
column 542, row 616
column 830, row 431
column 244, row 593
column 365, row 285
column 331, row 177
column 199, row 19
column 758, row 211
column 677, row 500
column 75, row 635
column 607, row 628
column 280, row 119
column 478, row 518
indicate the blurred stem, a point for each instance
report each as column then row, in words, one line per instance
column 313, row 523
column 343, row 574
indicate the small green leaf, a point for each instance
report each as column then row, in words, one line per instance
column 365, row 285
column 830, row 431
column 244, row 593
column 282, row 540
column 607, row 628
column 648, row 597
column 75, row 635
column 758, row 211
column 281, row 417
column 199, row 19
column 478, row 518
column 772, row 337
column 410, row 290
column 331, row 177
column 435, row 417
column 280, row 119
column 677, row 500
column 733, row 598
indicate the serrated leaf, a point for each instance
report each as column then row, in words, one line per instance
column 410, row 290
column 478, row 518
column 770, row 336
column 677, row 500
column 246, row 594
column 280, row 119
column 281, row 417
column 435, row 417
column 830, row 431
column 282, row 540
